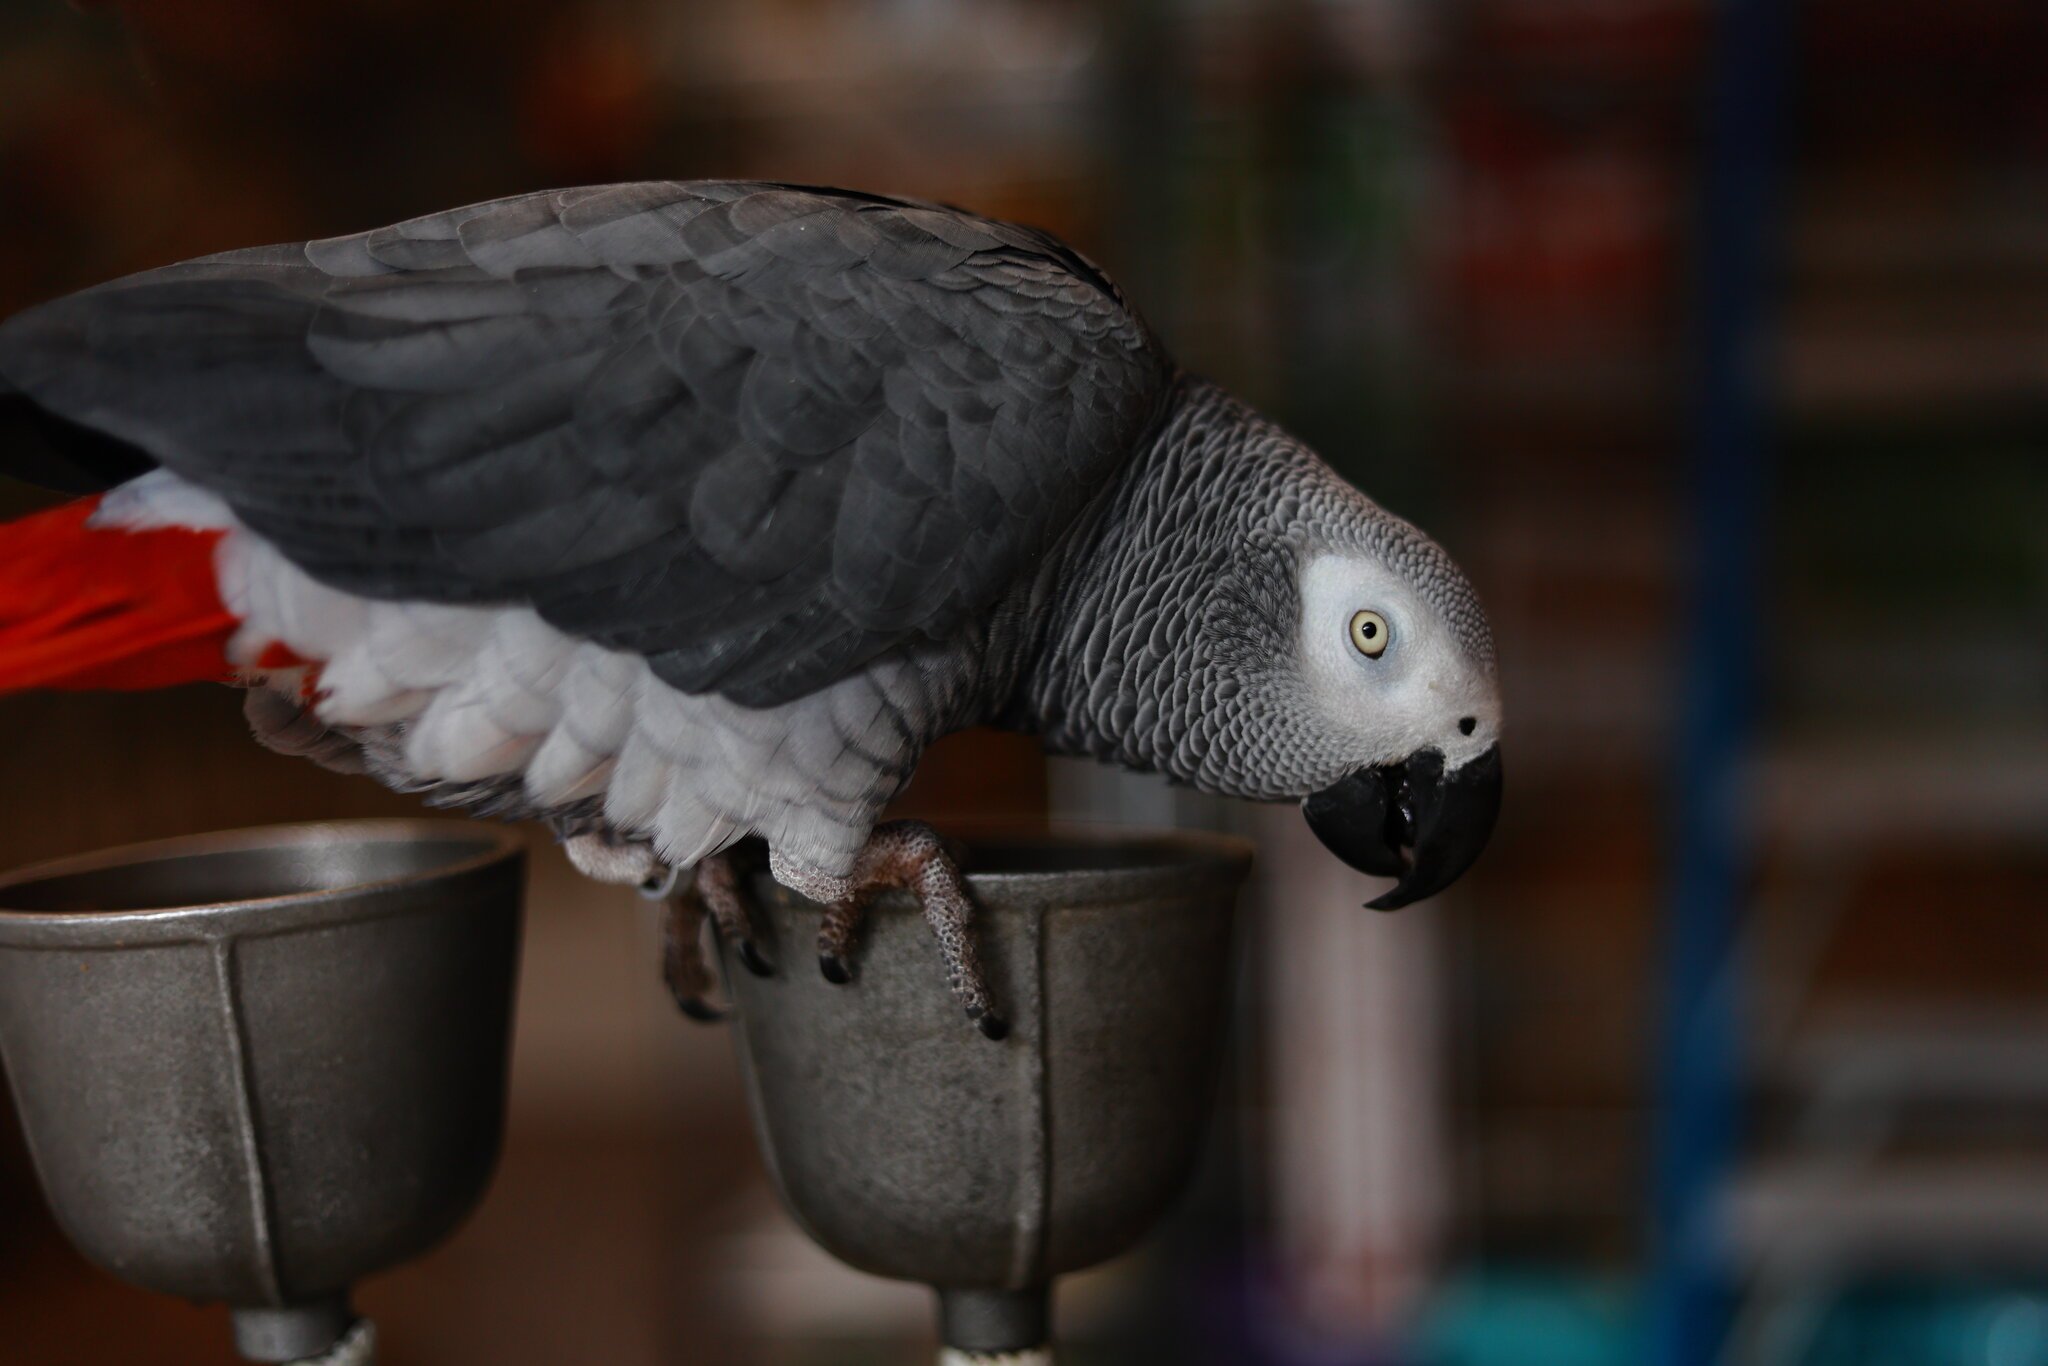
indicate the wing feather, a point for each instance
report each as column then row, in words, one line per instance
column 758, row 433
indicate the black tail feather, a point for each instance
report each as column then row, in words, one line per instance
column 41, row 448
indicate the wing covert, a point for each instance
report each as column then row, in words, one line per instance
column 757, row 433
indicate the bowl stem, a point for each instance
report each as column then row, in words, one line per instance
column 324, row 1333
column 996, row 1327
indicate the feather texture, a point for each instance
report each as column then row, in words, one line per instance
column 493, row 708
column 757, row 434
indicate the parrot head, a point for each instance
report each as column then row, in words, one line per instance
column 1250, row 624
column 1395, row 663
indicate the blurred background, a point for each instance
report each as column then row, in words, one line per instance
column 1711, row 338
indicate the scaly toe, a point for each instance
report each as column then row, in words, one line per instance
column 835, row 969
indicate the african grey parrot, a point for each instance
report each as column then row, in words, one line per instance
column 679, row 513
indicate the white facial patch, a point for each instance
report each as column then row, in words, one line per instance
column 1414, row 695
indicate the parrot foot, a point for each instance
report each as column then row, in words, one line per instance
column 714, row 893
column 908, row 855
column 684, row 965
column 718, row 883
column 837, row 934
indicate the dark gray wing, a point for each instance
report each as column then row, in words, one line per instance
column 757, row 433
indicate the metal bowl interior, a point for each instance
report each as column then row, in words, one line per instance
column 270, row 878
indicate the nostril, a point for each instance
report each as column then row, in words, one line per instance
column 1467, row 724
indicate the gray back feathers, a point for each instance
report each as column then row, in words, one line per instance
column 758, row 434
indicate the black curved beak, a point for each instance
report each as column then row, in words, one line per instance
column 1411, row 821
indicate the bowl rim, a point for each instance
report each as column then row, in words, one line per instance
column 1197, row 858
column 494, row 846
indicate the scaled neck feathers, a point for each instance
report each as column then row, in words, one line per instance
column 1176, row 593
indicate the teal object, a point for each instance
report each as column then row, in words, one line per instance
column 1968, row 1324
column 1545, row 1317
column 1532, row 1318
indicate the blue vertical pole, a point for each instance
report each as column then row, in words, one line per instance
column 1699, row 1081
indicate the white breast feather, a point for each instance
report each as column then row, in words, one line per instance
column 491, row 692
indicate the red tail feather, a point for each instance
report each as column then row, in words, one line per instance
column 84, row 608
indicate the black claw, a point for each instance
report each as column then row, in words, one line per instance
column 992, row 1024
column 756, row 964
column 835, row 969
column 699, row 1009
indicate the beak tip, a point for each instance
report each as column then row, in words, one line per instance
column 1431, row 843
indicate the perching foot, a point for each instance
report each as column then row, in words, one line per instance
column 908, row 855
column 713, row 892
column 718, row 883
column 684, row 965
column 837, row 934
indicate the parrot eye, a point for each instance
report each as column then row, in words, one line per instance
column 1369, row 633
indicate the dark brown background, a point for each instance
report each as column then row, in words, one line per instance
column 1450, row 244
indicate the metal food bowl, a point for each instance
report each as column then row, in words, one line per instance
column 254, row 1067
column 908, row 1145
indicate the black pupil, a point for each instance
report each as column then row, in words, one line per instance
column 1369, row 630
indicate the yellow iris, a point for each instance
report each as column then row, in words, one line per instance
column 1369, row 633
